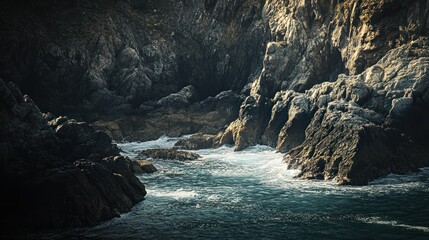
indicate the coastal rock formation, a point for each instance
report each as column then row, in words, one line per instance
column 330, row 123
column 60, row 174
column 359, row 127
column 167, row 154
column 325, row 81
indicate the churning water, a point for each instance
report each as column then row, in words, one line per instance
column 252, row 195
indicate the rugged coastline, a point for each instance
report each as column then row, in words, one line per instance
column 339, row 87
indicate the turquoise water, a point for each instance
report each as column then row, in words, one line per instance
column 252, row 195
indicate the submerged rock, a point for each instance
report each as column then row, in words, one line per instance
column 168, row 154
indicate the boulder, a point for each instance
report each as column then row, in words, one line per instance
column 146, row 166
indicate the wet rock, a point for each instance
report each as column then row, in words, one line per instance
column 248, row 128
column 111, row 128
column 146, row 166
column 331, row 130
column 140, row 166
column 167, row 154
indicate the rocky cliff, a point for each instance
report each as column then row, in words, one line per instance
column 352, row 128
column 339, row 85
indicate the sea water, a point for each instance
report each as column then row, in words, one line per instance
column 252, row 195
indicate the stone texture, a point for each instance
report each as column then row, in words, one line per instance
column 371, row 124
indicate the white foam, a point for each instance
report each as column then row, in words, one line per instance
column 265, row 164
column 377, row 220
column 258, row 161
column 177, row 194
column 130, row 148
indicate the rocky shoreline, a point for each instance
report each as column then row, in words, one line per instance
column 340, row 87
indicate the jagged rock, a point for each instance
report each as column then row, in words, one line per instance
column 111, row 128
column 167, row 154
column 247, row 129
column 343, row 143
column 324, row 129
column 57, row 178
column 369, row 125
column 82, row 194
column 360, row 62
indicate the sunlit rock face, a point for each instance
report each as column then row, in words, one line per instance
column 332, row 124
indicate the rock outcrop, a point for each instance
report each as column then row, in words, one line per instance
column 167, row 154
column 303, row 104
column 61, row 174
column 359, row 127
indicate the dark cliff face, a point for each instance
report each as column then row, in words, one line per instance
column 284, row 60
column 58, row 174
column 107, row 57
